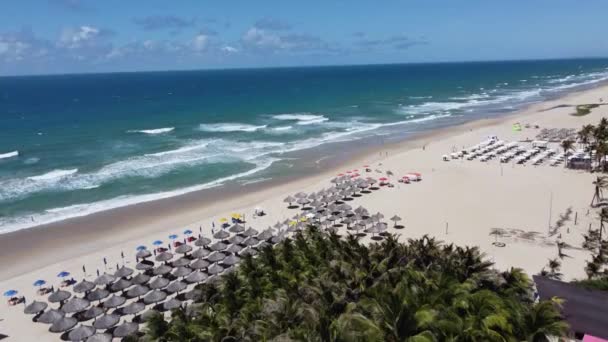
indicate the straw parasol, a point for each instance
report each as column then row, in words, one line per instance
column 266, row 234
column 75, row 305
column 81, row 333
column 176, row 286
column 35, row 307
column 237, row 228
column 133, row 308
column 200, row 253
column 140, row 279
column 104, row 279
column 101, row 337
column 300, row 195
column 196, row 277
column 106, row 321
column 218, row 246
column 159, row 283
column 289, row 200
column 248, row 251
column 164, row 256
column 123, row 272
column 83, row 286
column 51, row 316
column 183, row 249
column 92, row 312
column 216, row 256
column 236, row 239
column 120, row 285
column 154, row 297
column 63, row 324
column 215, row 269
column 114, row 301
column 172, row 304
column 144, row 253
column 199, row 264
column 234, row 249
column 137, row 291
column 181, row 271
column 250, row 232
column 222, row 234
column 250, row 241
column 162, row 269
column 59, row 296
column 126, row 329
column 98, row 294
column 231, row 260
column 144, row 265
column 202, row 241
column 194, row 295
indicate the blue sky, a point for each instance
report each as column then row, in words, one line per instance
column 67, row 36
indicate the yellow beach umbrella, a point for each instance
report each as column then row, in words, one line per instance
column 223, row 219
column 293, row 223
column 303, row 219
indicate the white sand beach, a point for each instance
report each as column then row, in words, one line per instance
column 457, row 201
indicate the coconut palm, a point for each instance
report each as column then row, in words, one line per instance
column 600, row 183
column 567, row 145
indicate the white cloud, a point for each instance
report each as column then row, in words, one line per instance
column 259, row 39
column 229, row 49
column 75, row 38
column 200, row 42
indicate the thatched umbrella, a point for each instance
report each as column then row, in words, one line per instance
column 144, row 253
column 140, row 279
column 196, row 277
column 75, row 305
column 35, row 307
column 181, row 271
column 289, row 200
column 98, row 294
column 277, row 238
column 200, row 253
column 231, row 260
column 218, row 246
column 176, row 286
column 234, row 249
column 250, row 241
column 104, row 279
column 120, row 285
column 215, row 269
column 236, row 239
column 181, row 262
column 51, row 316
column 237, row 228
column 183, row 249
column 164, row 256
column 199, row 264
column 83, row 286
column 123, row 272
column 250, row 232
column 114, row 301
column 106, row 321
column 59, row 296
column 266, row 234
column 202, row 241
column 100, row 337
column 159, row 283
column 216, row 256
column 248, row 251
column 81, row 333
column 172, row 304
column 162, row 269
column 126, row 329
column 133, row 308
column 395, row 219
column 221, row 234
column 63, row 324
column 302, row 201
column 92, row 312
column 300, row 195
column 194, row 295
column 137, row 291
column 144, row 265
column 154, row 297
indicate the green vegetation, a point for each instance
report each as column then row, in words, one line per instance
column 595, row 141
column 582, row 110
column 320, row 287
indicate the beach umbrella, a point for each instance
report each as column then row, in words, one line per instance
column 144, row 265
column 164, row 256
column 159, row 283
column 187, row 232
column 218, row 246
column 106, row 321
column 249, row 251
column 221, row 234
column 302, row 201
column 176, row 286
column 92, row 312
column 289, row 200
column 101, row 337
column 262, row 245
column 123, row 272
column 59, row 296
column 120, row 285
column 277, row 238
column 141, row 248
column 157, row 243
column 39, row 282
column 196, row 277
column 183, row 249
column 51, row 316
column 83, row 286
column 250, row 232
column 266, row 234
column 181, row 271
column 140, row 279
column 133, row 308
column 126, row 329
column 215, row 269
column 63, row 274
column 194, row 295
column 231, row 260
column 173, row 236
column 250, row 241
column 162, row 269
column 75, row 305
column 137, row 291
column 154, row 297
column 300, row 195
column 236, row 239
column 81, row 333
column 180, row 262
column 63, row 324
column 104, row 279
column 216, row 256
column 202, row 241
column 234, row 249
column 200, row 253
column 144, row 253
column 199, row 264
column 172, row 304
column 237, row 228
column 35, row 307
column 395, row 219
column 114, row 301
column 10, row 293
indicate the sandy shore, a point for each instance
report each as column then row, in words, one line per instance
column 458, row 201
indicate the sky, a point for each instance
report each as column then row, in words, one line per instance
column 81, row 36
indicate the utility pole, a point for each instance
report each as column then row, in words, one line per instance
column 550, row 209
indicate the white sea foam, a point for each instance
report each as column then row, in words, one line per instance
column 154, row 131
column 302, row 118
column 230, row 127
column 282, row 128
column 52, row 175
column 9, row 155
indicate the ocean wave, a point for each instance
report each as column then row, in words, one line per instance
column 154, row 131
column 230, row 127
column 420, row 97
column 302, row 118
column 52, row 175
column 9, row 155
column 31, row 161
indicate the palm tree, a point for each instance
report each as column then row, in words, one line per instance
column 554, row 266
column 603, row 218
column 600, row 183
column 567, row 146
column 584, row 136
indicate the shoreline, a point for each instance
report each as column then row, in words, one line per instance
column 100, row 230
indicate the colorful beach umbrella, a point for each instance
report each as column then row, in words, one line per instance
column 39, row 282
column 223, row 220
column 157, row 243
column 141, row 248
column 10, row 293
column 63, row 274
column 187, row 232
column 172, row 236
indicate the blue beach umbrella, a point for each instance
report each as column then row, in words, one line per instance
column 141, row 248
column 187, row 232
column 63, row 274
column 10, row 293
column 172, row 236
column 39, row 282
column 157, row 243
